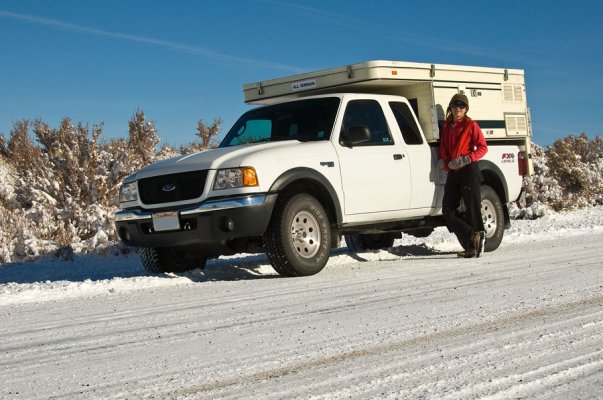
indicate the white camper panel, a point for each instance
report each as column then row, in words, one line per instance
column 496, row 95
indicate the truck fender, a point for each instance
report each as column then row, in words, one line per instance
column 308, row 176
column 494, row 178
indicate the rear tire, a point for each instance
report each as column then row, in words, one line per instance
column 493, row 218
column 158, row 260
column 298, row 238
column 364, row 242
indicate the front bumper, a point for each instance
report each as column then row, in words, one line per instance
column 207, row 227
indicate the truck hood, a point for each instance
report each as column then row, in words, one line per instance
column 226, row 157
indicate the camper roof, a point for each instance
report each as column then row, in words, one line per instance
column 373, row 76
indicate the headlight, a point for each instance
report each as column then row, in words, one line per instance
column 128, row 192
column 235, row 177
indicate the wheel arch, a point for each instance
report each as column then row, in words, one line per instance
column 494, row 178
column 310, row 181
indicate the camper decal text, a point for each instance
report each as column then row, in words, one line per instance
column 303, row 85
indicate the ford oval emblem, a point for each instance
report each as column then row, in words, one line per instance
column 168, row 187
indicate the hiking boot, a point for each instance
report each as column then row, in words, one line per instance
column 478, row 240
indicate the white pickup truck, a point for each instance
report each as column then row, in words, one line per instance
column 346, row 151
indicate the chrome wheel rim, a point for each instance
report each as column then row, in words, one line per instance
column 489, row 217
column 305, row 234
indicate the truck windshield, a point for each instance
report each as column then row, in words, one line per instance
column 304, row 120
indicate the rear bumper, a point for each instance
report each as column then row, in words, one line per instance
column 207, row 227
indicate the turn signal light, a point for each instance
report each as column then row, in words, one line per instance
column 249, row 177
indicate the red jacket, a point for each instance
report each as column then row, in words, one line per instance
column 463, row 139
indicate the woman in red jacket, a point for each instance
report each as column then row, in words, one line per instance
column 462, row 144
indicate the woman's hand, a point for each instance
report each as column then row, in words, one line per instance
column 459, row 162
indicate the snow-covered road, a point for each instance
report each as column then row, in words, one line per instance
column 525, row 321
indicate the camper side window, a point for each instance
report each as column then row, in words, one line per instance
column 406, row 123
column 368, row 113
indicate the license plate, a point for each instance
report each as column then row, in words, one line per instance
column 166, row 221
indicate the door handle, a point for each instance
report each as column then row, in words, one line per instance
column 398, row 156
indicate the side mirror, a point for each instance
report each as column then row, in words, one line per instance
column 356, row 134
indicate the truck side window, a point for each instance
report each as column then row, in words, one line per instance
column 406, row 123
column 368, row 113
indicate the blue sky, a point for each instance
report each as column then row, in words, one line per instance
column 181, row 61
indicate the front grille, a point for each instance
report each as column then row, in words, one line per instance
column 184, row 186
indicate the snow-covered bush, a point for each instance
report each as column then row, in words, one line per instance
column 576, row 162
column 142, row 141
column 567, row 175
column 59, row 193
column 206, row 134
column 540, row 189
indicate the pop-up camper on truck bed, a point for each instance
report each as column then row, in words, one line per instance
column 497, row 96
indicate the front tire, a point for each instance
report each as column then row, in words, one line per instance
column 158, row 260
column 493, row 218
column 298, row 238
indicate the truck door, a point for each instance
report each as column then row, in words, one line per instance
column 375, row 174
column 422, row 159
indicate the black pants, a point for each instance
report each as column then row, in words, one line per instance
column 463, row 184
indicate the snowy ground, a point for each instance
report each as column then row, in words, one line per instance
column 414, row 321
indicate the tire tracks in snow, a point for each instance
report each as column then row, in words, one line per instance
column 484, row 328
